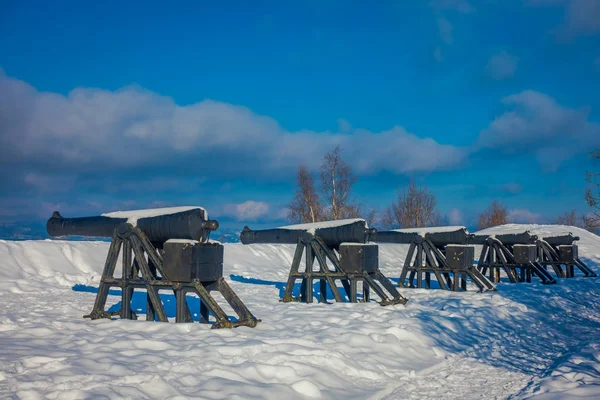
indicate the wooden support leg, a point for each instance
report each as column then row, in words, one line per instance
column 302, row 293
column 366, row 293
column 289, row 287
column 126, row 296
column 323, row 291
column 180, row 306
column 440, row 279
column 570, row 271
column 353, row 289
column 213, row 306
column 411, row 279
column 107, row 273
column 150, row 311
column 308, row 289
column 245, row 317
column 587, row 271
column 456, row 281
column 148, row 273
column 407, row 266
column 321, row 254
column 204, row 315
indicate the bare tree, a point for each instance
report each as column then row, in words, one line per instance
column 568, row 218
column 336, row 185
column 387, row 219
column 593, row 199
column 369, row 215
column 306, row 205
column 414, row 208
column 494, row 215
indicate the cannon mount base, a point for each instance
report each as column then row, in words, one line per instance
column 145, row 271
column 315, row 248
column 425, row 258
column 557, row 256
column 496, row 257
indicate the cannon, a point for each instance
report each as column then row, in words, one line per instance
column 440, row 236
column 331, row 233
column 342, row 252
column 513, row 253
column 556, row 250
column 162, row 249
column 191, row 224
column 442, row 251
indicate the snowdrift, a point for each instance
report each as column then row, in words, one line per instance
column 523, row 340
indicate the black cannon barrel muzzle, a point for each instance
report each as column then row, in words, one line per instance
column 189, row 224
column 355, row 232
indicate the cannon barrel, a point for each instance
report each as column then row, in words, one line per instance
column 190, row 224
column 394, row 237
column 332, row 233
column 561, row 240
column 508, row 239
column 439, row 236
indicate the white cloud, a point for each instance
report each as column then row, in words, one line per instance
column 441, row 8
column 95, row 129
column 502, row 65
column 446, row 29
column 535, row 123
column 582, row 17
column 511, row 188
column 523, row 216
column 247, row 211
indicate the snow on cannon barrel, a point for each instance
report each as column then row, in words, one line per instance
column 558, row 250
column 515, row 254
column 163, row 249
column 341, row 251
column 508, row 239
column 441, row 251
column 332, row 233
column 189, row 224
column 439, row 236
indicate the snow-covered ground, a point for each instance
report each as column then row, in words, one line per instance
column 523, row 340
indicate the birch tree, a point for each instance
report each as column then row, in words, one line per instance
column 305, row 206
column 337, row 180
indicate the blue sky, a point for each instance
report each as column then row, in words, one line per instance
column 111, row 106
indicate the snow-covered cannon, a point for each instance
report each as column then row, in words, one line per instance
column 514, row 253
column 162, row 249
column 331, row 233
column 556, row 250
column 442, row 251
column 342, row 252
column 189, row 224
